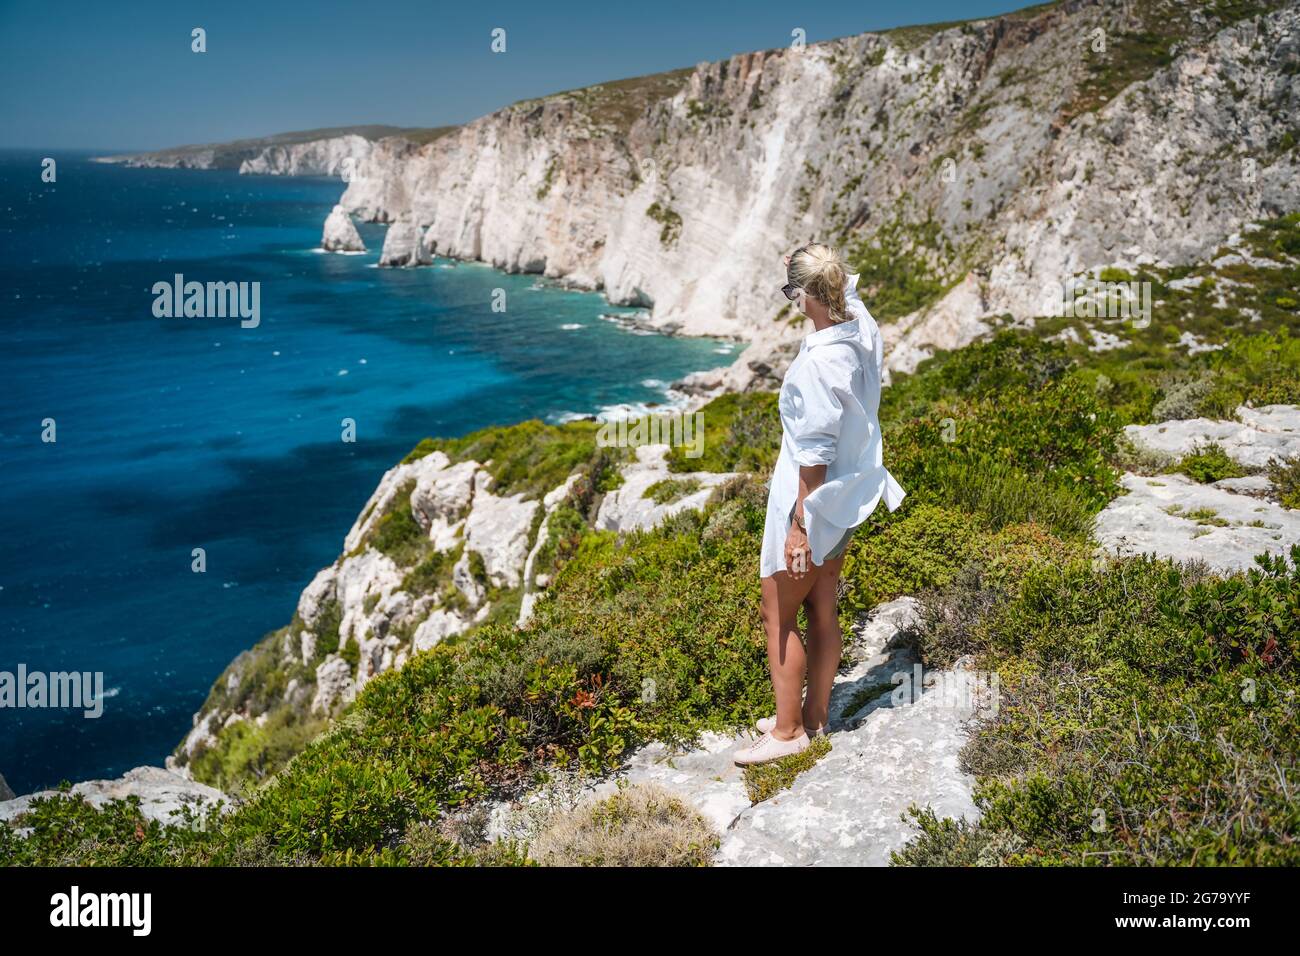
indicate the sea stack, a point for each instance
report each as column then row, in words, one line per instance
column 340, row 233
column 5, row 792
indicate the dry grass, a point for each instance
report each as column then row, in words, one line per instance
column 642, row 825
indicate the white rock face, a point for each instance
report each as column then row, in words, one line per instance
column 340, row 233
column 334, row 685
column 161, row 794
column 1174, row 517
column 202, row 734
column 462, row 576
column 437, row 627
column 336, row 156
column 549, row 503
column 497, row 529
column 626, row 508
column 1272, row 431
column 314, row 596
column 954, row 321
column 442, row 498
column 426, row 472
column 404, row 245
column 1224, row 524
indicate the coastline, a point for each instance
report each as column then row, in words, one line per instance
column 283, row 392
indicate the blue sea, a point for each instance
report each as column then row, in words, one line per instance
column 173, row 434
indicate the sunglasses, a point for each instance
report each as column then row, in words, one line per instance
column 790, row 290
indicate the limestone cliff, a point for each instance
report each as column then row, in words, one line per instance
column 965, row 170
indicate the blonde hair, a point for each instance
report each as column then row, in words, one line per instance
column 819, row 271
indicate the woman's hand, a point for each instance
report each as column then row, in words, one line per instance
column 796, row 551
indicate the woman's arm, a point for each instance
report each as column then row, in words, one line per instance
column 811, row 477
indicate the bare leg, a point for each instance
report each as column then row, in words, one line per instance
column 825, row 643
column 786, row 661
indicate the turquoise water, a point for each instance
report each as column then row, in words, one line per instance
column 175, row 434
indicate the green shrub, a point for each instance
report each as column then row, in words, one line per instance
column 528, row 458
column 397, row 533
column 949, row 842
column 1210, row 463
column 1285, row 476
column 671, row 489
column 1183, row 396
column 66, row 830
column 248, row 754
column 1005, row 495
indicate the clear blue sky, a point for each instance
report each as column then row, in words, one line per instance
column 119, row 74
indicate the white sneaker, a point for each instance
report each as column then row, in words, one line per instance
column 768, row 748
column 766, row 725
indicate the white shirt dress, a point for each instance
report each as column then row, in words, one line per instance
column 830, row 402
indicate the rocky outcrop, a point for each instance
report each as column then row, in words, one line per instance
column 369, row 611
column 629, row 508
column 498, row 530
column 5, row 792
column 334, row 686
column 1224, row 524
column 340, row 233
column 895, row 733
column 162, row 794
column 530, row 582
column 1172, row 516
column 1257, row 436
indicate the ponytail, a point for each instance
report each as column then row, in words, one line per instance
column 819, row 271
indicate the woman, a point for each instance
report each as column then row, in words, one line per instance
column 828, row 479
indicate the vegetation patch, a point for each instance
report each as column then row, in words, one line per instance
column 742, row 432
column 1136, row 660
column 903, row 267
column 765, row 780
column 668, row 218
column 672, row 489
